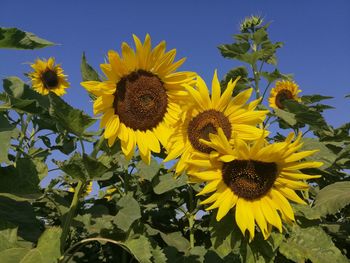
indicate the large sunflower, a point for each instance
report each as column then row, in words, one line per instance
column 257, row 178
column 48, row 77
column 205, row 114
column 284, row 90
column 140, row 98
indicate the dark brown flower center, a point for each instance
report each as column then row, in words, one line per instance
column 140, row 100
column 282, row 96
column 205, row 123
column 50, row 79
column 249, row 179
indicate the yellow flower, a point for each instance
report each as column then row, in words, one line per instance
column 86, row 191
column 140, row 98
column 48, row 77
column 208, row 113
column 284, row 90
column 256, row 178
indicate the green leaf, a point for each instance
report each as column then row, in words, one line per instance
column 309, row 99
column 166, row 182
column 18, row 39
column 324, row 154
column 6, row 132
column 176, row 240
column 87, row 72
column 274, row 75
column 140, row 247
column 147, row 172
column 8, row 235
column 73, row 120
column 20, row 214
column 260, row 36
column 22, row 180
column 129, row 212
column 312, row 244
column 83, row 168
column 332, row 198
column 47, row 250
column 286, row 116
column 13, row 255
column 234, row 50
column 242, row 83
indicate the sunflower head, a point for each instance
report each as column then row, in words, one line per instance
column 48, row 77
column 256, row 178
column 206, row 113
column 140, row 98
column 284, row 90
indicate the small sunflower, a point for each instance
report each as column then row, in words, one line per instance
column 48, row 77
column 208, row 113
column 86, row 191
column 257, row 178
column 284, row 90
column 140, row 98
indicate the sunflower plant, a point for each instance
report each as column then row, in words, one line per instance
column 170, row 168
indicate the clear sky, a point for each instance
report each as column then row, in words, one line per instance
column 316, row 36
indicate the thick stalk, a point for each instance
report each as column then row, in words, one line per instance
column 71, row 213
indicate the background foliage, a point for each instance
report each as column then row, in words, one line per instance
column 142, row 212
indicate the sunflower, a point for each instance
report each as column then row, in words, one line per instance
column 48, row 77
column 258, row 178
column 86, row 191
column 284, row 90
column 140, row 98
column 208, row 113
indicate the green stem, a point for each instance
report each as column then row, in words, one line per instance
column 191, row 216
column 71, row 213
column 24, row 126
column 82, row 145
column 97, row 147
column 256, row 81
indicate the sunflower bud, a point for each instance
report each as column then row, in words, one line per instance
column 250, row 23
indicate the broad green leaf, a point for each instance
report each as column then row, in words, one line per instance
column 140, row 247
column 324, row 154
column 242, row 83
column 49, row 245
column 16, row 88
column 6, row 132
column 274, row 75
column 332, row 198
column 14, row 255
column 286, row 116
column 312, row 244
column 8, row 235
column 260, row 36
column 166, row 182
column 128, row 213
column 47, row 250
column 18, row 39
column 147, row 172
column 177, row 240
column 234, row 50
column 73, row 120
column 20, row 214
column 22, row 180
column 83, row 168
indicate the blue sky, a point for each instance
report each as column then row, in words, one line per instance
column 316, row 36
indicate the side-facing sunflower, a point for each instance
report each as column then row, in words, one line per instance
column 140, row 98
column 48, row 77
column 284, row 90
column 257, row 178
column 205, row 114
